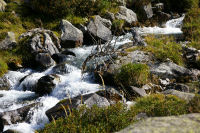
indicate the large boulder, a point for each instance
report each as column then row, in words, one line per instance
column 99, row 29
column 101, row 99
column 172, row 71
column 46, row 84
column 2, row 5
column 126, row 14
column 170, row 124
column 9, row 42
column 41, row 44
column 71, row 36
column 18, row 115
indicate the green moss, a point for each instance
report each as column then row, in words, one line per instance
column 160, row 105
column 133, row 75
column 164, row 48
column 94, row 120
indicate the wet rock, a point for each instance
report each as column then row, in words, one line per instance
column 137, row 39
column 4, row 83
column 71, row 36
column 59, row 58
column 178, row 87
column 126, row 14
column 162, row 17
column 2, row 5
column 61, row 69
column 18, row 115
column 182, row 95
column 46, row 84
column 99, row 29
column 44, row 60
column 101, row 99
column 40, row 41
column 172, row 71
column 9, row 42
column 166, row 125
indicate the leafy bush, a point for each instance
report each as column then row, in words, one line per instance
column 160, row 105
column 164, row 48
column 94, row 120
column 194, row 105
column 133, row 75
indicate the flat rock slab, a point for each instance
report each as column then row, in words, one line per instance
column 173, row 124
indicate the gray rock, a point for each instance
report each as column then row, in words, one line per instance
column 46, row 84
column 171, row 70
column 41, row 45
column 18, row 115
column 192, row 56
column 110, row 16
column 4, row 83
column 99, row 29
column 147, row 11
column 126, row 14
column 179, row 87
column 182, row 95
column 137, row 39
column 71, row 36
column 42, row 41
column 9, row 42
column 44, row 60
column 170, row 124
column 101, row 99
column 61, row 69
column 2, row 5
column 139, row 91
column 140, row 57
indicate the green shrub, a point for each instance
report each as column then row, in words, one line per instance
column 94, row 120
column 160, row 105
column 191, row 27
column 3, row 67
column 164, row 48
column 133, row 75
column 194, row 105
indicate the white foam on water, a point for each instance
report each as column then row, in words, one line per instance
column 171, row 27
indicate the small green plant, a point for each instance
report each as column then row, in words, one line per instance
column 160, row 105
column 3, row 67
column 133, row 75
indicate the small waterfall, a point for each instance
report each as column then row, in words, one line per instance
column 171, row 27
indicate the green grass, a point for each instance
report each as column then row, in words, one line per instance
column 94, row 120
column 133, row 75
column 115, row 117
column 194, row 105
column 160, row 105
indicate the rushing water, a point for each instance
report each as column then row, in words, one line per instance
column 171, row 27
column 71, row 84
